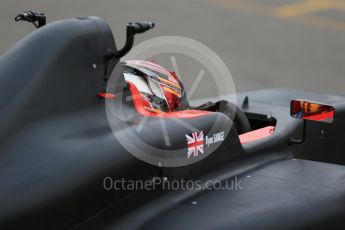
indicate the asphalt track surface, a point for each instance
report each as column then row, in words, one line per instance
column 265, row 43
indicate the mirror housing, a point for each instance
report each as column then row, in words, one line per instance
column 313, row 111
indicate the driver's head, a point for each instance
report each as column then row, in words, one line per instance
column 160, row 88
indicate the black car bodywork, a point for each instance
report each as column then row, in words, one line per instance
column 57, row 147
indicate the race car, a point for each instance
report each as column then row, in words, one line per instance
column 72, row 156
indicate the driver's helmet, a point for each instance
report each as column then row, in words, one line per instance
column 159, row 88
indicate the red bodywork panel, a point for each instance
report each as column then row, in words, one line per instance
column 256, row 134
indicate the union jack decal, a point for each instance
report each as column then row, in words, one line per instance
column 195, row 144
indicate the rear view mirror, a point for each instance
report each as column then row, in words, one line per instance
column 302, row 109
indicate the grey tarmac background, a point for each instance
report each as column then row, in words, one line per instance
column 265, row 43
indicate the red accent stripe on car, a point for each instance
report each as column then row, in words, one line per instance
column 106, row 95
